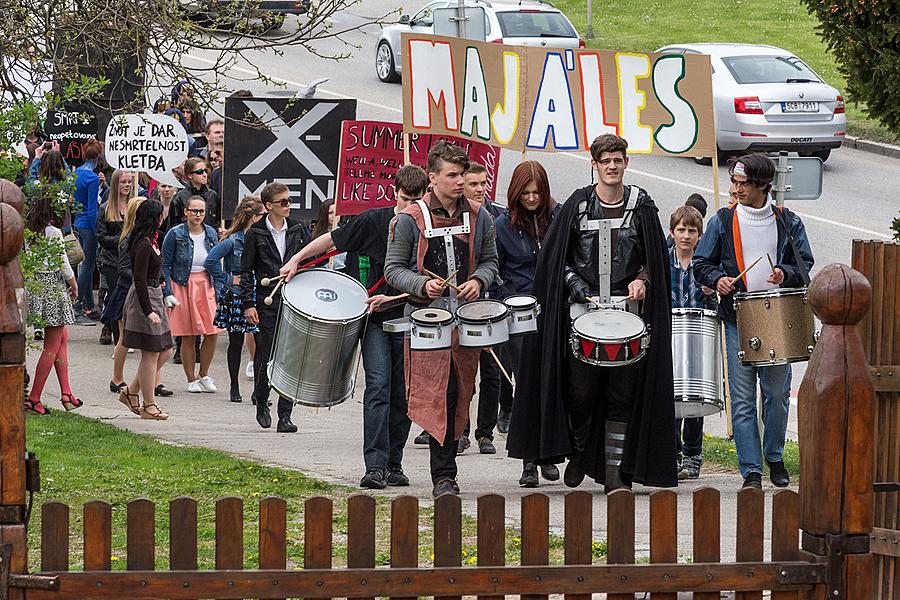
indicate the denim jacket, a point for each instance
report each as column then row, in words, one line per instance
column 178, row 254
column 231, row 249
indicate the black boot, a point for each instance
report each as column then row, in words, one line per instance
column 529, row 477
column 615, row 448
column 574, row 474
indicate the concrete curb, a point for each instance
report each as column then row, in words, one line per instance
column 874, row 147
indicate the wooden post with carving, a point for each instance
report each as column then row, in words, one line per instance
column 12, row 372
column 836, row 426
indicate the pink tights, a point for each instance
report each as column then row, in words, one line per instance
column 55, row 355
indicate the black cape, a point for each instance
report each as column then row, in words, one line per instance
column 539, row 429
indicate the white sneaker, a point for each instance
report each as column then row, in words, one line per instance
column 195, row 387
column 249, row 371
column 208, row 385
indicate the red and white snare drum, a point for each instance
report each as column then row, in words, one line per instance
column 609, row 338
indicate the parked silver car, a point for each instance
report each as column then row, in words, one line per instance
column 525, row 23
column 767, row 99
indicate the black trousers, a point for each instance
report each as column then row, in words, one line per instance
column 690, row 437
column 488, row 397
column 268, row 322
column 443, row 457
column 607, row 392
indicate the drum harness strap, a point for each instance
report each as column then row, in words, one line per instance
column 447, row 233
column 604, row 228
column 801, row 264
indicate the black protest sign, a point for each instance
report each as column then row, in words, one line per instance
column 71, row 126
column 289, row 140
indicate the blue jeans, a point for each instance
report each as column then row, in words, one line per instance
column 775, row 382
column 385, row 422
column 88, row 239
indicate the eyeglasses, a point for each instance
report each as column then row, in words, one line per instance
column 199, row 172
column 196, row 211
column 260, row 214
column 283, row 203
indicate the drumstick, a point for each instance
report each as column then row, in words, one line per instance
column 771, row 264
column 267, row 281
column 269, row 299
column 744, row 272
column 443, row 282
column 499, row 364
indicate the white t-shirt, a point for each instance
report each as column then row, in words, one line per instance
column 200, row 252
column 759, row 236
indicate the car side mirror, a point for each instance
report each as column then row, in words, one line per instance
column 404, row 19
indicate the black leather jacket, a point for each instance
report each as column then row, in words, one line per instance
column 582, row 261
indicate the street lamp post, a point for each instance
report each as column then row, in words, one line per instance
column 590, row 19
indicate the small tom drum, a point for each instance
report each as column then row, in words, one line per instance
column 609, row 338
column 431, row 329
column 775, row 327
column 482, row 323
column 524, row 311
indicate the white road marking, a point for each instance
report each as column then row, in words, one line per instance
column 566, row 154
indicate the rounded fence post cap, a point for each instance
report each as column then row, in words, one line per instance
column 11, row 233
column 840, row 295
column 12, row 195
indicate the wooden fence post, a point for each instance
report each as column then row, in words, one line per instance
column 835, row 428
column 12, row 374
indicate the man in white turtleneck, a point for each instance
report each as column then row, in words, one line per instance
column 738, row 235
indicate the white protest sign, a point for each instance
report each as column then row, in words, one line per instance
column 154, row 144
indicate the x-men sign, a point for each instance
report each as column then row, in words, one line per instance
column 529, row 98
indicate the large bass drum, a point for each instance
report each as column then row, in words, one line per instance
column 320, row 323
column 697, row 362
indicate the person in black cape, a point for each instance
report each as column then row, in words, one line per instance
column 542, row 429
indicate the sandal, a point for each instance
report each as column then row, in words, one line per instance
column 153, row 412
column 36, row 407
column 72, row 403
column 125, row 397
column 115, row 388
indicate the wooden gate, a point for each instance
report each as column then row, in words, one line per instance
column 880, row 263
column 833, row 510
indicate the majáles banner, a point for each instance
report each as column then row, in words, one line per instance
column 530, row 98
column 372, row 151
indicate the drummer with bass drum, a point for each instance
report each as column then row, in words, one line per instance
column 453, row 238
column 385, row 423
column 737, row 237
column 616, row 424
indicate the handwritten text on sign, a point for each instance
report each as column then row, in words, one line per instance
column 529, row 98
column 154, row 144
column 371, row 153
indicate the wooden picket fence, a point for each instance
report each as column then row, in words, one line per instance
column 786, row 574
column 880, row 263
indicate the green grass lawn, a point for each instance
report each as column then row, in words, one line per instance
column 645, row 25
column 722, row 452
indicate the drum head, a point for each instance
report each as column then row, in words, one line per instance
column 609, row 325
column 520, row 302
column 326, row 295
column 431, row 316
column 482, row 311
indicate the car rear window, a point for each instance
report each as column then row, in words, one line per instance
column 534, row 24
column 769, row 69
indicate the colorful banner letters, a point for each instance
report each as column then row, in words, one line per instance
column 530, row 98
column 371, row 153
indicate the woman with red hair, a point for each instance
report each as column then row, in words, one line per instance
column 520, row 231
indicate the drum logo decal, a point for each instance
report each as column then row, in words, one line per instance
column 326, row 295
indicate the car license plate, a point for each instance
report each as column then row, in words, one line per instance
column 795, row 107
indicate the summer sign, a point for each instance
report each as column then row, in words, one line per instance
column 529, row 98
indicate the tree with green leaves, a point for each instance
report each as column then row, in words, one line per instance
column 863, row 37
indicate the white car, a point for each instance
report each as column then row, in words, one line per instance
column 525, row 23
column 767, row 99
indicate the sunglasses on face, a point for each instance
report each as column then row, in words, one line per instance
column 199, row 172
column 196, row 211
column 260, row 214
column 283, row 203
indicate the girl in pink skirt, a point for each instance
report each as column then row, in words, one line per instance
column 190, row 293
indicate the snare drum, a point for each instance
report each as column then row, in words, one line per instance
column 524, row 311
column 482, row 323
column 775, row 327
column 697, row 362
column 431, row 329
column 609, row 338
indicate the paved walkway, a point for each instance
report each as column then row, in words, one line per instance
column 328, row 445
